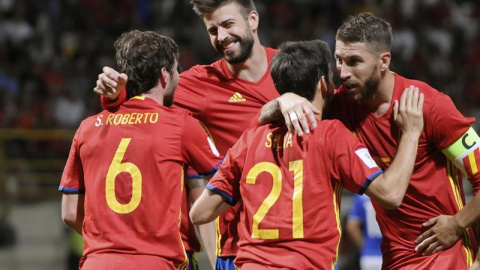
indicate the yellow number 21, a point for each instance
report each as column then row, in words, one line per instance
column 117, row 167
column 274, row 170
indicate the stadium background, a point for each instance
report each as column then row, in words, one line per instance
column 51, row 52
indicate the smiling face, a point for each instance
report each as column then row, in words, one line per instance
column 358, row 68
column 230, row 32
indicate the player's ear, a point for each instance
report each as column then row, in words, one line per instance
column 253, row 19
column 164, row 77
column 385, row 61
column 323, row 86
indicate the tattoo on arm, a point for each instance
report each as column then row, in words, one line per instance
column 270, row 112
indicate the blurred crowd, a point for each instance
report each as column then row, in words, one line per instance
column 51, row 51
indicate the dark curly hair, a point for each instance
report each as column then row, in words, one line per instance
column 142, row 55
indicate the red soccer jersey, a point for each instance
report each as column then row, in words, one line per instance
column 436, row 185
column 290, row 189
column 226, row 105
column 130, row 165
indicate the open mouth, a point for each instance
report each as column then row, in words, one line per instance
column 349, row 86
column 228, row 45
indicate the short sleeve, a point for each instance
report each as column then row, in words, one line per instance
column 444, row 124
column 226, row 181
column 351, row 162
column 198, row 149
column 72, row 180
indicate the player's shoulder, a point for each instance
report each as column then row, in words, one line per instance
column 200, row 73
column 424, row 87
column 328, row 125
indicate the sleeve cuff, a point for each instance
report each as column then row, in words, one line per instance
column 228, row 199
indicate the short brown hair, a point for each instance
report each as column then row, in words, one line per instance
column 368, row 28
column 142, row 55
column 205, row 7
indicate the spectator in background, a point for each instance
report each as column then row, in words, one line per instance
column 362, row 227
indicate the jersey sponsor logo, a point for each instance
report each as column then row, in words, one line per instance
column 127, row 119
column 237, row 97
column 365, row 156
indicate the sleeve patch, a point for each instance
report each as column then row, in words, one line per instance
column 365, row 156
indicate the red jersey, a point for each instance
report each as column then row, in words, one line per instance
column 290, row 189
column 130, row 165
column 226, row 105
column 436, row 184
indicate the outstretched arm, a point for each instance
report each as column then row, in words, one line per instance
column 293, row 109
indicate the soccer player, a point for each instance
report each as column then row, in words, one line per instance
column 290, row 186
column 363, row 228
column 448, row 147
column 123, row 179
column 225, row 95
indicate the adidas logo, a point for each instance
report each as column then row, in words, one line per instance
column 237, row 98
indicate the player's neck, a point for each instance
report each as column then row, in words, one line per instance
column 254, row 68
column 380, row 103
column 155, row 95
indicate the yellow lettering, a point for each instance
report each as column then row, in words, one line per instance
column 118, row 119
column 154, row 118
column 277, row 141
column 125, row 119
column 132, row 118
column 269, row 140
column 146, row 117
column 287, row 141
column 109, row 119
column 139, row 118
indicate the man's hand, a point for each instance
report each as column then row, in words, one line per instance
column 408, row 114
column 110, row 83
column 445, row 233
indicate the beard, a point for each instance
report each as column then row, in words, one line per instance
column 245, row 52
column 368, row 89
column 371, row 86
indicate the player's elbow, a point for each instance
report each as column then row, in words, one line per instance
column 69, row 217
column 391, row 201
column 199, row 217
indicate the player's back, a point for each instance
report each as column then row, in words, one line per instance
column 133, row 170
column 291, row 197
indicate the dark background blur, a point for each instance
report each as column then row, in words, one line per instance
column 51, row 52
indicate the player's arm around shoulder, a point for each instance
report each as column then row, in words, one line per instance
column 389, row 189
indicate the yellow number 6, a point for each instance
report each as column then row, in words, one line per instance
column 117, row 167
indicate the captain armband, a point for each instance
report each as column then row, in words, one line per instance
column 465, row 152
